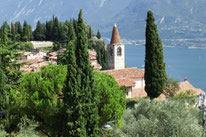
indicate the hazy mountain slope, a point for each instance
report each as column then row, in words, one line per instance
column 175, row 19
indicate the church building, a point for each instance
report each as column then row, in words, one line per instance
column 132, row 78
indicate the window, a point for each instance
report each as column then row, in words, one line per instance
column 111, row 51
column 119, row 51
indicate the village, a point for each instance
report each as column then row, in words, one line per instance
column 132, row 78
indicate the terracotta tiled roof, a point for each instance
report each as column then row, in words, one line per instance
column 126, row 82
column 131, row 73
column 184, row 86
column 187, row 86
column 115, row 36
column 31, row 61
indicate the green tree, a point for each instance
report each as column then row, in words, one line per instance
column 155, row 74
column 72, row 97
column 172, row 87
column 74, row 22
column 71, row 33
column 162, row 119
column 19, row 31
column 55, row 29
column 85, row 71
column 13, row 32
column 3, row 91
column 40, row 95
column 40, row 32
column 49, row 28
column 90, row 35
column 63, row 29
column 98, row 35
column 112, row 98
column 99, row 47
column 26, row 32
column 5, row 33
column 86, row 98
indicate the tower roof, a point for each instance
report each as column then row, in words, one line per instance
column 115, row 36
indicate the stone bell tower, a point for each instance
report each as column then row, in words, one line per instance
column 116, row 51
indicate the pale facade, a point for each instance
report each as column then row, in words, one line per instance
column 116, row 51
column 116, row 56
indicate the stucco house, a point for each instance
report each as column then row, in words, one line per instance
column 132, row 78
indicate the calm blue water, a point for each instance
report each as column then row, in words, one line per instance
column 180, row 62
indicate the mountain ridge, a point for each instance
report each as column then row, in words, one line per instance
column 175, row 19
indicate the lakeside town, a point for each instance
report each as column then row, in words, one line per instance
column 62, row 80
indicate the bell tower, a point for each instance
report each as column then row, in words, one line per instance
column 116, row 51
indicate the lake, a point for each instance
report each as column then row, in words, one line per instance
column 180, row 62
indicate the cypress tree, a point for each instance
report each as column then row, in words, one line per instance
column 40, row 31
column 90, row 33
column 155, row 74
column 3, row 92
column 49, row 28
column 13, row 32
column 4, row 33
column 55, row 29
column 98, row 35
column 71, row 32
column 75, row 26
column 19, row 31
column 89, row 95
column 74, row 123
column 63, row 31
column 80, row 96
column 26, row 32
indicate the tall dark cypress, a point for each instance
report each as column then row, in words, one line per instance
column 98, row 35
column 49, row 29
column 82, row 108
column 26, row 32
column 74, row 122
column 5, row 32
column 88, row 96
column 55, row 30
column 3, row 92
column 71, row 32
column 19, row 31
column 13, row 32
column 90, row 33
column 155, row 74
column 40, row 32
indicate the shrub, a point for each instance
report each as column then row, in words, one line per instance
column 172, row 87
column 161, row 119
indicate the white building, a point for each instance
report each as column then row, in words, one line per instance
column 116, row 51
column 132, row 78
column 33, row 55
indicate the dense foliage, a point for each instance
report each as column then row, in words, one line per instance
column 98, row 35
column 161, row 119
column 155, row 73
column 40, row 95
column 99, row 47
column 61, row 33
column 82, row 110
column 172, row 87
column 112, row 99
